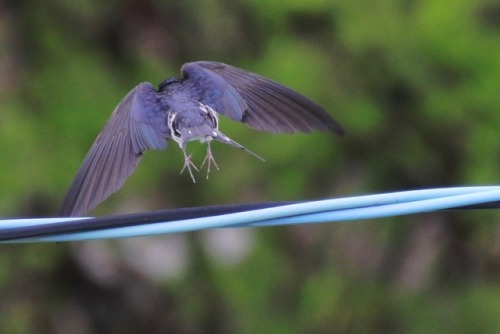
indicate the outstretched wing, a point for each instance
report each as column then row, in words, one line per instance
column 252, row 99
column 137, row 124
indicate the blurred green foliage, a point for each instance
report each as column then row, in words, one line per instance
column 414, row 83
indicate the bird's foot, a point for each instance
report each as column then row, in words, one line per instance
column 209, row 159
column 187, row 165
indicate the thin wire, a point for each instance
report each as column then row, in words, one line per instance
column 248, row 215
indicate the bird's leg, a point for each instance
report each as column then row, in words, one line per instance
column 209, row 159
column 188, row 164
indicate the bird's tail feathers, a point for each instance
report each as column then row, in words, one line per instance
column 226, row 140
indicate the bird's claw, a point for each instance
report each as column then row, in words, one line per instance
column 187, row 165
column 209, row 159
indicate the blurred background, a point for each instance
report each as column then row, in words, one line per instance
column 415, row 85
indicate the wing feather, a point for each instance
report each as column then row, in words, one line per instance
column 137, row 124
column 264, row 104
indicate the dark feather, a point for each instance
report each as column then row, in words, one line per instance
column 134, row 126
column 261, row 103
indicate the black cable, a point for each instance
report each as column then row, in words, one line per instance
column 133, row 219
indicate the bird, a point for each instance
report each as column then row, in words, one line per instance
column 187, row 109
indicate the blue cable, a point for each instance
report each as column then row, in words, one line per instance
column 330, row 210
